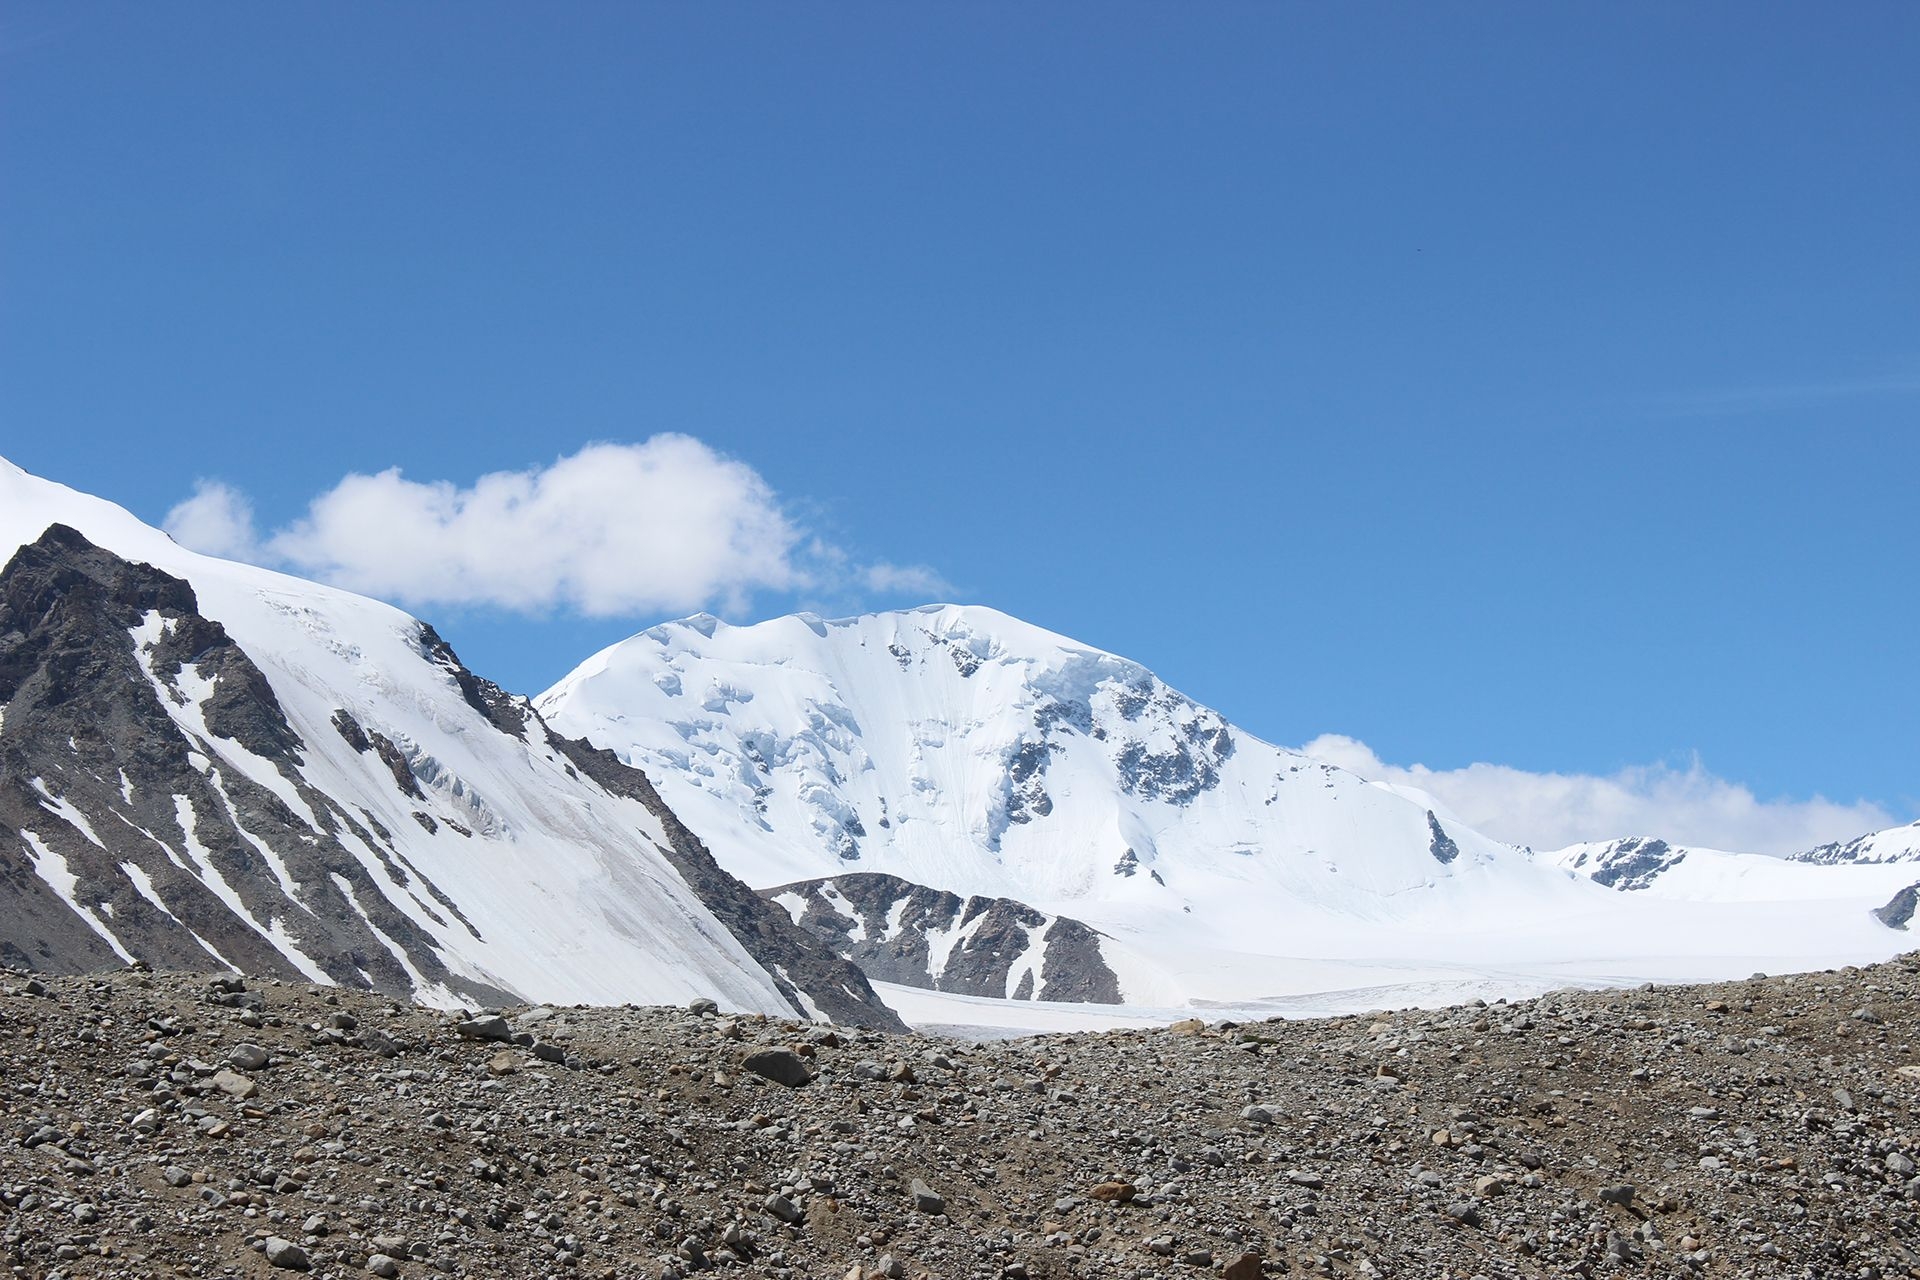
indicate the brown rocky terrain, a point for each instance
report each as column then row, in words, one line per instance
column 180, row 1125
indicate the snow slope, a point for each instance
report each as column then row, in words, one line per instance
column 964, row 750
column 527, row 877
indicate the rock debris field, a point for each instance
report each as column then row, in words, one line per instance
column 187, row 1125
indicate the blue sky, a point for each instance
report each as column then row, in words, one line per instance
column 1512, row 383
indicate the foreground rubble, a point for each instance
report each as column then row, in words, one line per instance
column 164, row 1124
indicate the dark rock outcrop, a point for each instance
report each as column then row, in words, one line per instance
column 1629, row 864
column 895, row 931
column 125, row 836
column 1898, row 912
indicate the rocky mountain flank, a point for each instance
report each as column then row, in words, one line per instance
column 157, row 804
column 909, row 934
column 193, row 1126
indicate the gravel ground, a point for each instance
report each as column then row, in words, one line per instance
column 172, row 1124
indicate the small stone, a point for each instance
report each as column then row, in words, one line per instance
column 247, row 1057
column 1620, row 1193
column 234, row 1085
column 174, row 1176
column 1245, row 1267
column 701, row 1006
column 383, row 1265
column 925, row 1198
column 1489, row 1186
column 287, row 1255
column 505, row 1063
column 782, row 1208
column 1253, row 1113
column 890, row 1267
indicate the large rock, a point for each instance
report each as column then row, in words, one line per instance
column 782, row 1066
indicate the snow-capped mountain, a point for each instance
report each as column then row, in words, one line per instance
column 964, row 751
column 208, row 765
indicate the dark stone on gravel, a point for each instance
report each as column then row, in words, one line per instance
column 925, row 1198
column 782, row 1066
column 487, row 1027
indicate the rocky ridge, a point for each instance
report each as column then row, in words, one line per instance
column 906, row 933
column 194, row 1126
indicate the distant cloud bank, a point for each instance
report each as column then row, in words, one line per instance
column 1552, row 810
column 614, row 530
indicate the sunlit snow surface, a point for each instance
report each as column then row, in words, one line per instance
column 961, row 749
column 562, row 881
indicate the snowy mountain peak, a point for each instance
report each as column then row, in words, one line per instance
column 952, row 753
column 925, row 738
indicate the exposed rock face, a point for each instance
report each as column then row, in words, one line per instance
column 157, row 804
column 105, row 795
column 1441, row 846
column 896, row 931
column 1898, row 913
column 1628, row 864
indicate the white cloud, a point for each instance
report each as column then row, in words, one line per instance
column 217, row 520
column 667, row 525
column 1552, row 810
column 915, row 580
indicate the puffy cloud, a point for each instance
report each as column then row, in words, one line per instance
column 217, row 520
column 1687, row 806
column 666, row 525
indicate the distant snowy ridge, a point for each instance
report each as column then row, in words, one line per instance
column 207, row 765
column 1896, row 844
column 959, row 750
